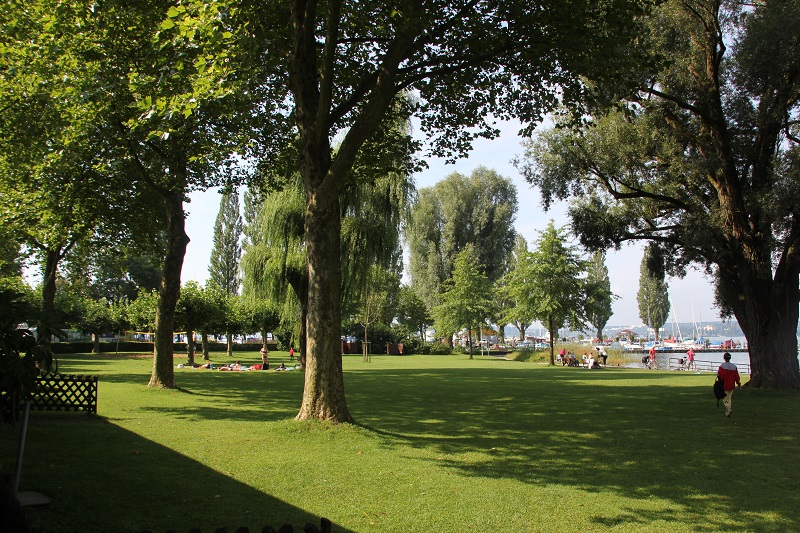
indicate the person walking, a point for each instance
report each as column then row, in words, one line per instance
column 729, row 375
column 690, row 364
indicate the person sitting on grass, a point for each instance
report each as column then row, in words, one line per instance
column 281, row 368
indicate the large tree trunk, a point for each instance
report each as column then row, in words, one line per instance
column 768, row 315
column 163, row 375
column 323, row 395
column 311, row 81
column 95, row 343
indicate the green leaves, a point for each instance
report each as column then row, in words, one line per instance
column 466, row 301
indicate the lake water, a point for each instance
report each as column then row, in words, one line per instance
column 706, row 361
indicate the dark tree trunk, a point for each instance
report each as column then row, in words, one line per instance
column 204, row 341
column 550, row 328
column 299, row 283
column 95, row 343
column 768, row 315
column 521, row 326
column 163, row 375
column 311, row 81
column 49, row 275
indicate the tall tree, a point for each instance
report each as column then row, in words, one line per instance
column 598, row 293
column 514, row 313
column 348, row 61
column 653, row 294
column 467, row 298
column 189, row 313
column 547, row 283
column 702, row 161
column 226, row 251
column 189, row 103
column 412, row 311
column 457, row 211
column 376, row 301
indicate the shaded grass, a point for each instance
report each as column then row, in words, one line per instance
column 444, row 444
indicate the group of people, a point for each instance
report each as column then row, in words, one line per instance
column 587, row 360
column 239, row 367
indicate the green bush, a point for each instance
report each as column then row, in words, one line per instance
column 531, row 355
column 440, row 348
column 413, row 346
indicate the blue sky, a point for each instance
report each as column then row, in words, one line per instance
column 692, row 297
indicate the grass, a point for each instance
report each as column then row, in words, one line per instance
column 443, row 444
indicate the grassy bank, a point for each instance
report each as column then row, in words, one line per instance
column 444, row 444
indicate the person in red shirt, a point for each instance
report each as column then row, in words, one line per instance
column 729, row 375
column 653, row 362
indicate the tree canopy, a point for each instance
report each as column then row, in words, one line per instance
column 457, row 212
column 700, row 160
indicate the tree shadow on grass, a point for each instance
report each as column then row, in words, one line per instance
column 634, row 434
column 171, row 491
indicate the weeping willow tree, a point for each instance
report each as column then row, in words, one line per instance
column 274, row 261
column 373, row 205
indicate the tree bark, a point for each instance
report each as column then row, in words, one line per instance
column 312, row 84
column 768, row 313
column 49, row 275
column 303, row 333
column 95, row 343
column 229, row 343
column 163, row 375
column 323, row 395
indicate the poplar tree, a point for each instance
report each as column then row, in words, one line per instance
column 598, row 293
column 653, row 294
column 226, row 254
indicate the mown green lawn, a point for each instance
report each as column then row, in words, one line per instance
column 443, row 444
